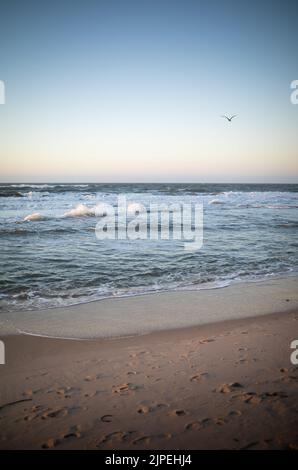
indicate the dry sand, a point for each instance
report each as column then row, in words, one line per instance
column 227, row 385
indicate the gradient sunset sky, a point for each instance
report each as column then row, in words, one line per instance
column 134, row 90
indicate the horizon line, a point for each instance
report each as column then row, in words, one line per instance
column 146, row 182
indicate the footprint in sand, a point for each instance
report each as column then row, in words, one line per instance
column 293, row 446
column 202, row 423
column 51, row 443
column 66, row 392
column 91, row 394
column 199, row 377
column 61, row 412
column 35, row 412
column 196, row 425
column 91, row 378
column 138, row 354
column 106, row 418
column 256, row 399
column 250, row 445
column 228, row 388
column 28, row 393
column 55, row 413
column 142, row 440
column 235, row 413
column 219, row 421
column 242, row 360
column 149, row 439
column 144, row 409
column 125, row 388
column 289, row 374
column 206, row 340
column 177, row 413
column 73, row 432
column 110, row 438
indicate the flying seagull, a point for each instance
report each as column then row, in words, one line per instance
column 229, row 118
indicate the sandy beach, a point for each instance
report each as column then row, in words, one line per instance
column 224, row 385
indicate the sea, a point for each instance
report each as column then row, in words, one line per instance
column 51, row 256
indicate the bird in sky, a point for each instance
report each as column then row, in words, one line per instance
column 229, row 118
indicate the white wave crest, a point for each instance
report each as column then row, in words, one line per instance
column 80, row 211
column 215, row 201
column 33, row 217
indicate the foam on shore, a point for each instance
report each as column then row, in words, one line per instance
column 143, row 314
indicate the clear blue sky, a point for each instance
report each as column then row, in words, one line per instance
column 133, row 91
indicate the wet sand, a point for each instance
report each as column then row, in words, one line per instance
column 126, row 316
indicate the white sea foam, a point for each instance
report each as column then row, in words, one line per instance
column 33, row 217
column 215, row 201
column 267, row 206
column 80, row 211
column 36, row 186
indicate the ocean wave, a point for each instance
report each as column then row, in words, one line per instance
column 267, row 206
column 10, row 193
column 171, row 189
column 46, row 185
column 34, row 217
column 216, row 201
column 281, row 206
column 34, row 194
column 80, row 211
column 32, row 299
column 288, row 225
column 44, row 231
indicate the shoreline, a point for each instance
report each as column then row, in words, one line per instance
column 189, row 288
column 143, row 314
column 181, row 331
